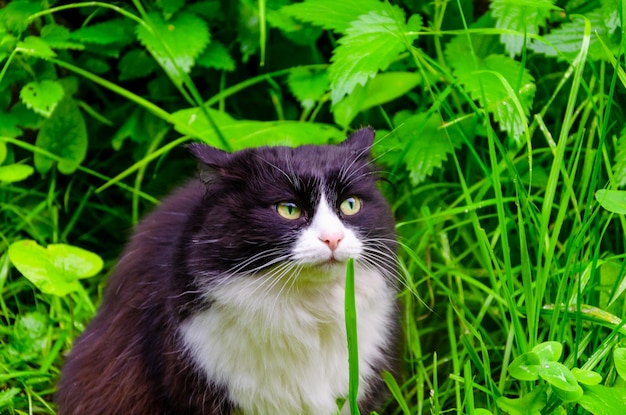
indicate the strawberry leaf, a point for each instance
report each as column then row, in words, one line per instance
column 216, row 56
column 42, row 97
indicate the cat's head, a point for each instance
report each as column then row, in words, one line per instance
column 303, row 208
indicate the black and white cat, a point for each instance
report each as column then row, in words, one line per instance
column 230, row 296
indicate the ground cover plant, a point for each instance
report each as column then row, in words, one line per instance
column 500, row 129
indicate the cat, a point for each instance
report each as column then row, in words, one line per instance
column 229, row 298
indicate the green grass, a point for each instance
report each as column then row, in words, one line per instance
column 513, row 264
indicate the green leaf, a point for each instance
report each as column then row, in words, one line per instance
column 371, row 43
column 548, row 351
column 566, row 41
column 7, row 396
column 530, row 404
column 176, row 43
column 602, row 400
column 525, row 367
column 55, row 269
column 169, row 7
column 114, row 31
column 136, row 63
column 14, row 15
column 12, row 173
column 8, row 125
column 495, row 87
column 331, row 14
column 521, row 16
column 216, row 56
column 612, row 200
column 586, row 377
column 619, row 359
column 427, row 142
column 57, row 36
column 42, row 97
column 35, row 46
column 307, row 85
column 247, row 133
column 63, row 134
column 29, row 336
column 350, row 317
column 619, row 169
column 559, row 376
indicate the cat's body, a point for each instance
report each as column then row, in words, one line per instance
column 230, row 296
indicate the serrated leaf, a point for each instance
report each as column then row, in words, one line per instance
column 35, row 46
column 371, row 43
column 601, row 400
column 56, row 268
column 216, row 56
column 521, row 16
column 57, row 37
column 114, row 31
column 14, row 15
column 612, row 200
column 525, row 367
column 42, row 97
column 566, row 41
column 248, row 133
column 169, row 7
column 619, row 359
column 136, row 63
column 307, row 85
column 6, row 397
column 619, row 169
column 586, row 377
column 428, row 144
column 29, row 336
column 176, row 43
column 12, row 173
column 63, row 134
column 530, row 404
column 300, row 33
column 495, row 87
column 548, row 351
column 331, row 14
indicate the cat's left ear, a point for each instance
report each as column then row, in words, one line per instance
column 212, row 160
column 360, row 141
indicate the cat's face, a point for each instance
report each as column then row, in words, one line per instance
column 286, row 209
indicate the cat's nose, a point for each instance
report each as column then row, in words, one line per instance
column 331, row 239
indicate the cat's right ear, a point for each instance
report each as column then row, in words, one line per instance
column 212, row 160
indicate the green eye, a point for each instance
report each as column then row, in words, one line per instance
column 350, row 206
column 288, row 210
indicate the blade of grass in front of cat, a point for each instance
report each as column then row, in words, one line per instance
column 351, row 334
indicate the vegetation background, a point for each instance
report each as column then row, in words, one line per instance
column 500, row 128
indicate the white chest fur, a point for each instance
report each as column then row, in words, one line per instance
column 282, row 349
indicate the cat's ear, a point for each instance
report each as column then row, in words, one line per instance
column 360, row 141
column 212, row 160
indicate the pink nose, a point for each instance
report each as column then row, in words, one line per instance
column 331, row 239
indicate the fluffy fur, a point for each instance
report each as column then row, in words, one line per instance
column 221, row 305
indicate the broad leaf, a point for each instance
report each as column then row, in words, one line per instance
column 371, row 43
column 619, row 359
column 559, row 376
column 65, row 135
column 15, row 172
column 331, row 14
column 548, row 351
column 175, row 43
column 42, row 97
column 136, row 63
column 530, row 404
column 35, row 46
column 307, row 85
column 586, row 377
column 114, row 31
column 246, row 133
column 14, row 14
column 57, row 37
column 29, row 336
column 525, row 367
column 612, row 200
column 169, row 7
column 495, row 86
column 521, row 16
column 216, row 56
column 428, row 143
column 56, row 268
column 601, row 400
